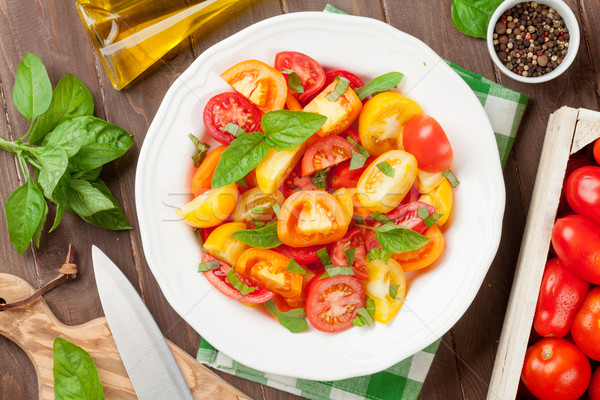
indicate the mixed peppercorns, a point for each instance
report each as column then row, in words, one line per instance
column 531, row 39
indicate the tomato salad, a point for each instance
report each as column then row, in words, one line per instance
column 323, row 193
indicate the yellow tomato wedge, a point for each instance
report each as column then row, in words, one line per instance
column 340, row 113
column 427, row 181
column 441, row 198
column 378, row 191
column 345, row 196
column 221, row 244
column 255, row 205
column 261, row 84
column 210, row 208
column 382, row 276
column 382, row 121
column 276, row 167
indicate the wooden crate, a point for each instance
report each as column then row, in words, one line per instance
column 568, row 131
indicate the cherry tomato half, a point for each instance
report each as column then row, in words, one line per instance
column 295, row 182
column 302, row 255
column 310, row 72
column 576, row 241
column 230, row 107
column 425, row 255
column 341, row 176
column 355, row 81
column 585, row 328
column 326, row 152
column 203, row 176
column 426, row 140
column 582, row 190
column 352, row 240
column 555, row 368
column 331, row 303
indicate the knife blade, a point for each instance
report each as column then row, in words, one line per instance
column 148, row 360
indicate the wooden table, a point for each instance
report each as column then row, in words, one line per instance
column 52, row 30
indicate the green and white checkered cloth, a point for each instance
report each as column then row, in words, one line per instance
column 404, row 380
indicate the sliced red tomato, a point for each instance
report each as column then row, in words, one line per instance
column 295, row 182
column 425, row 255
column 326, row 152
column 302, row 255
column 218, row 278
column 355, row 81
column 352, row 240
column 331, row 303
column 310, row 72
column 226, row 108
column 426, row 140
column 341, row 176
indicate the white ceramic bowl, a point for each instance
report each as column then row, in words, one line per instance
column 571, row 23
column 436, row 298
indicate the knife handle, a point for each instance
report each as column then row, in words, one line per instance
column 33, row 328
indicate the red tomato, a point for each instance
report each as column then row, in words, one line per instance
column 352, row 240
column 326, row 152
column 230, row 107
column 310, row 72
column 594, row 388
column 561, row 295
column 576, row 161
column 424, row 138
column 597, row 151
column 295, row 182
column 582, row 190
column 218, row 278
column 341, row 176
column 355, row 81
column 352, row 134
column 585, row 328
column 331, row 303
column 576, row 241
column 302, row 255
column 555, row 368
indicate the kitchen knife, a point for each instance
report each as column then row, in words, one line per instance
column 148, row 360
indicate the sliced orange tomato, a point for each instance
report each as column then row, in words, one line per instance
column 261, row 84
column 267, row 268
column 425, row 255
column 276, row 167
column 382, row 276
column 441, row 198
column 203, row 175
column 340, row 113
column 378, row 191
column 346, row 198
column 312, row 217
column 221, row 244
column 291, row 103
column 300, row 301
column 382, row 121
column 254, row 205
column 210, row 208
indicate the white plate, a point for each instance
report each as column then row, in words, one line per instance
column 436, row 298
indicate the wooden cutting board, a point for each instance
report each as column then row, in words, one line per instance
column 33, row 327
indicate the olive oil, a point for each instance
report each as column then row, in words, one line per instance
column 131, row 35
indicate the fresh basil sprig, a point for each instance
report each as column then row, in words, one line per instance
column 261, row 238
column 293, row 320
column 380, row 84
column 286, row 129
column 75, row 373
column 67, row 148
column 397, row 238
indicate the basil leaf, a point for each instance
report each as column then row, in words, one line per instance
column 294, row 82
column 295, row 268
column 350, row 254
column 340, row 88
column 32, row 92
column 377, row 253
column 238, row 284
column 89, row 176
column 258, row 224
column 201, row 150
column 114, row 218
column 448, row 174
column 209, row 266
column 257, row 210
column 380, row 84
column 357, row 161
column 324, row 257
column 86, row 200
column 239, row 158
column 60, row 197
column 359, row 321
column 71, row 98
column 472, row 17
column 75, row 374
column 37, row 235
column 331, row 271
column 287, row 129
column 68, row 135
column 293, row 320
column 54, row 164
column 379, row 217
column 358, row 147
column 320, row 179
column 24, row 210
column 358, row 219
column 386, row 168
column 399, row 239
column 234, row 129
column 365, row 315
column 60, row 211
column 261, row 238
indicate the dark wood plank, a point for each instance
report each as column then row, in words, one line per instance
column 589, row 11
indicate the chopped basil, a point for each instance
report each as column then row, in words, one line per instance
column 276, row 208
column 364, row 314
column 238, row 284
column 295, row 268
column 293, row 320
column 331, row 271
column 359, row 148
column 399, row 239
column 358, row 219
column 234, row 129
column 451, row 178
column 201, row 150
column 377, row 253
column 380, row 84
column 394, row 291
column 386, row 168
column 258, row 224
column 320, row 179
column 296, row 188
column 340, row 88
column 379, row 217
column 209, row 266
column 323, row 255
column 198, row 231
column 357, row 161
column 257, row 210
column 370, row 305
column 242, row 182
column 350, row 255
column 429, row 220
column 261, row 238
column 294, row 81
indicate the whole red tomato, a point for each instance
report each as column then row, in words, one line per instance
column 576, row 241
column 555, row 368
column 576, row 161
column 424, row 138
column 561, row 295
column 585, row 328
column 594, row 389
column 582, row 190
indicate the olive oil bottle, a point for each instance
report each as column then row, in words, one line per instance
column 131, row 35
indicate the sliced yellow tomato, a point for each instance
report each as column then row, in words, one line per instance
column 210, row 208
column 382, row 121
column 378, row 191
column 276, row 167
column 291, row 103
column 340, row 113
column 423, row 256
column 262, row 85
column 254, row 205
column 441, row 198
column 427, row 181
column 221, row 244
column 345, row 196
column 382, row 276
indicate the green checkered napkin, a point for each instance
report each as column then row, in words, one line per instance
column 504, row 108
